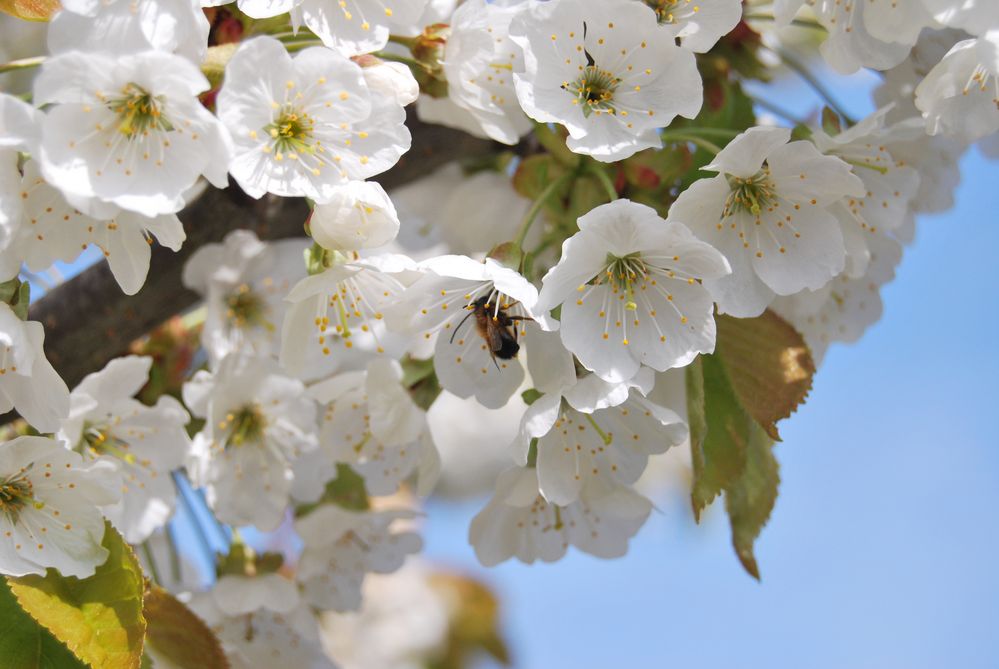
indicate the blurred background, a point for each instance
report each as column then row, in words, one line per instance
column 882, row 550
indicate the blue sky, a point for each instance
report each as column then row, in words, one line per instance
column 881, row 552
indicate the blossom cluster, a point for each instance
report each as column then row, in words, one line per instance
column 336, row 368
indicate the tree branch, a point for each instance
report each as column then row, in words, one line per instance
column 88, row 320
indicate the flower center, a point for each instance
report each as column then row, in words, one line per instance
column 664, row 9
column 751, row 195
column 245, row 307
column 291, row 131
column 594, row 90
column 623, row 273
column 245, row 426
column 139, row 112
column 15, row 493
column 99, row 441
column 979, row 80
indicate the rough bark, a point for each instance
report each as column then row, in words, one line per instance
column 88, row 320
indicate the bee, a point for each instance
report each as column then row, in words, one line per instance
column 496, row 327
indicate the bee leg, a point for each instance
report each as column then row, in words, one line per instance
column 459, row 326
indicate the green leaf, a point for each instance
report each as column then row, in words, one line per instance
column 8, row 289
column 177, row 635
column 18, row 295
column 719, row 431
column 751, row 498
column 534, row 173
column 98, row 618
column 24, row 644
column 531, row 395
column 347, row 490
column 585, row 194
column 831, row 122
column 22, row 301
column 30, row 10
column 419, row 377
column 768, row 364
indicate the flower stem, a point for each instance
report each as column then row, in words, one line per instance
column 23, row 64
column 408, row 42
column 801, row 23
column 154, row 572
column 535, row 209
column 717, row 133
column 396, row 58
column 792, row 62
column 677, row 136
column 777, row 110
column 555, row 145
column 605, row 181
column 304, row 44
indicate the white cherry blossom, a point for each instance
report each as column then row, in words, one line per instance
column 403, row 619
column 959, row 98
column 844, row 309
column 850, row 43
column 371, row 423
column 898, row 86
column 974, row 16
column 606, row 71
column 127, row 131
column 20, row 124
column 144, row 444
column 766, row 211
column 244, row 282
column 354, row 27
column 303, row 126
column 935, row 157
column 342, row 546
column 479, row 62
column 257, row 423
column 480, row 313
column 49, row 508
column 519, row 523
column 237, row 595
column 629, row 284
column 20, row 130
column 339, row 313
column 265, row 639
column 390, row 79
column 701, row 23
column 889, row 187
column 129, row 26
column 438, row 205
column 359, row 215
column 591, row 428
column 51, row 229
column 444, row 111
column 28, row 383
column 894, row 21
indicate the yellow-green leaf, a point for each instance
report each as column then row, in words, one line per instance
column 31, row 10
column 175, row 634
column 768, row 364
column 750, row 499
column 98, row 618
column 719, row 431
column 24, row 644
